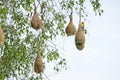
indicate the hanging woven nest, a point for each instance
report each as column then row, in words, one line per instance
column 70, row 29
column 36, row 22
column 80, row 39
column 39, row 65
column 2, row 37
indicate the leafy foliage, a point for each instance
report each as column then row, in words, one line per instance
column 17, row 56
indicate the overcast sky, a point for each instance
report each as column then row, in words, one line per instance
column 100, row 59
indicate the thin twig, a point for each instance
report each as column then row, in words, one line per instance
column 38, row 40
column 55, row 45
column 39, row 3
column 80, row 14
column 41, row 76
column 58, row 6
column 46, row 76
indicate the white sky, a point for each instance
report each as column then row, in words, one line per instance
column 100, row 59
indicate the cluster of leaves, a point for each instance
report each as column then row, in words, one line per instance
column 96, row 7
column 17, row 56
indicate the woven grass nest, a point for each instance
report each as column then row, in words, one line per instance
column 79, row 39
column 36, row 22
column 39, row 65
column 70, row 29
column 2, row 37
